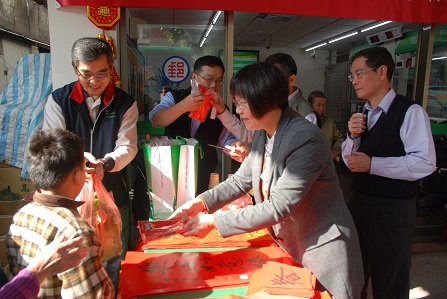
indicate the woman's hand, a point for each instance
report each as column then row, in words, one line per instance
column 238, row 151
column 58, row 256
column 188, row 210
column 198, row 226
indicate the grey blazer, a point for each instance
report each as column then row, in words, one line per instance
column 305, row 211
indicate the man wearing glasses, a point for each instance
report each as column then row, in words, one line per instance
column 175, row 106
column 389, row 148
column 105, row 117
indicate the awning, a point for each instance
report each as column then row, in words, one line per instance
column 419, row 11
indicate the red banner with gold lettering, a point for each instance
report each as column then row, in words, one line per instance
column 104, row 17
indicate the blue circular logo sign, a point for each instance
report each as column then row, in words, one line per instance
column 176, row 69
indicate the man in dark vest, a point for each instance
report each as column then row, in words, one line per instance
column 389, row 148
column 175, row 106
column 105, row 117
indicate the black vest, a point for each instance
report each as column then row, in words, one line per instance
column 99, row 139
column 207, row 133
column 383, row 140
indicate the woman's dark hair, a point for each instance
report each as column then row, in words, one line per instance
column 263, row 86
column 315, row 94
column 376, row 57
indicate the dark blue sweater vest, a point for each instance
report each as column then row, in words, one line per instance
column 99, row 138
column 383, row 140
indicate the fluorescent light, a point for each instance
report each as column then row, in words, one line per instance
column 209, row 30
column 375, row 26
column 210, row 27
column 216, row 16
column 344, row 36
column 438, row 58
column 317, row 46
column 202, row 42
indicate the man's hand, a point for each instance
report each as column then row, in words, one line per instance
column 238, row 151
column 358, row 162
column 94, row 166
column 191, row 102
column 335, row 154
column 57, row 257
column 356, row 124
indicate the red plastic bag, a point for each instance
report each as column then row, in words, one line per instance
column 201, row 112
column 102, row 214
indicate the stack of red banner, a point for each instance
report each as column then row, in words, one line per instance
column 160, row 273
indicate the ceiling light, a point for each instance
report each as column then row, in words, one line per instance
column 437, row 58
column 209, row 30
column 216, row 16
column 342, row 37
column 375, row 26
column 317, row 46
column 202, row 42
column 210, row 27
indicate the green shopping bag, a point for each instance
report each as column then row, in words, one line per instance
column 161, row 156
column 190, row 152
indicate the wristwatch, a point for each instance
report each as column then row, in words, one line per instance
column 107, row 164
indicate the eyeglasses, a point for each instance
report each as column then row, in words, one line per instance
column 89, row 76
column 239, row 104
column 359, row 74
column 210, row 81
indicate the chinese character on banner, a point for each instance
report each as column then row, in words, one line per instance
column 104, row 17
column 176, row 69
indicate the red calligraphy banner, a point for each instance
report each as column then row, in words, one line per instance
column 163, row 273
column 212, row 240
column 419, row 11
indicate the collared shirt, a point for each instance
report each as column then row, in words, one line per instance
column 415, row 133
column 38, row 224
column 168, row 101
column 312, row 117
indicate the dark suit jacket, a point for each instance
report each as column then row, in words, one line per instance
column 305, row 211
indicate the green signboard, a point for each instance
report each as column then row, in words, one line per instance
column 409, row 42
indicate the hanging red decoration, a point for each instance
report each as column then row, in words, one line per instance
column 104, row 17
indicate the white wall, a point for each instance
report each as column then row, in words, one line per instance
column 67, row 24
column 311, row 71
column 13, row 51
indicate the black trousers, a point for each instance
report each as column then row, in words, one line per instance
column 385, row 228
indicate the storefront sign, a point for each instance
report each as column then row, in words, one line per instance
column 176, row 69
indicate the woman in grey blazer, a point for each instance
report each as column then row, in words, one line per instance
column 296, row 190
